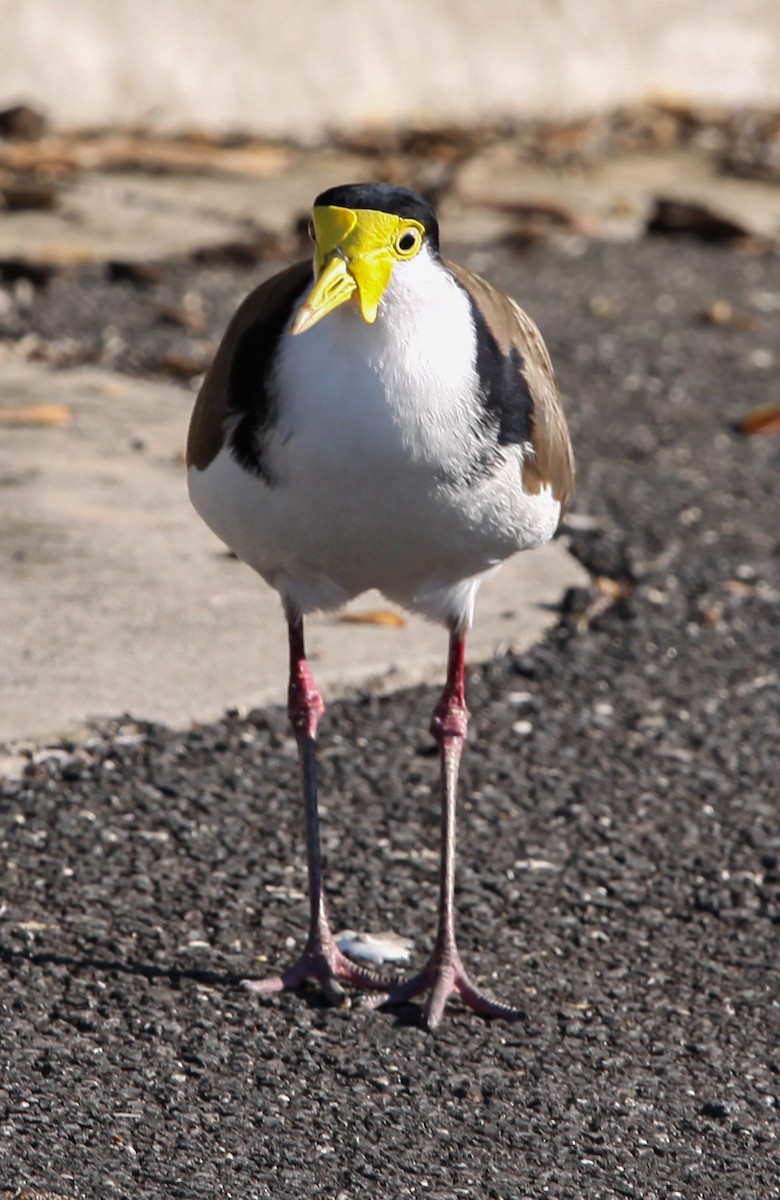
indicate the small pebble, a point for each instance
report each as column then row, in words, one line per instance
column 375, row 947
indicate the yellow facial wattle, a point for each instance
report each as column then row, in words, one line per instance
column 356, row 250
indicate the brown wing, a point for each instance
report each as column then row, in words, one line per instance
column 534, row 401
column 236, row 382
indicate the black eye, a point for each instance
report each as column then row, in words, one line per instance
column 408, row 241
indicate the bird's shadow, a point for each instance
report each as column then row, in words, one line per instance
column 114, row 966
column 409, row 1016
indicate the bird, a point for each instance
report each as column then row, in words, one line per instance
column 377, row 416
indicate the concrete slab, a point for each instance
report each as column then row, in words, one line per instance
column 134, row 216
column 115, row 597
column 612, row 199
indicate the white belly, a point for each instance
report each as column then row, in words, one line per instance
column 373, row 454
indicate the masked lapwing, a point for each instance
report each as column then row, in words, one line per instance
column 380, row 417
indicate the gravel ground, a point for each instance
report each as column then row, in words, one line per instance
column 619, row 842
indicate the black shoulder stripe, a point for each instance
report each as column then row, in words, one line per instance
column 250, row 393
column 504, row 389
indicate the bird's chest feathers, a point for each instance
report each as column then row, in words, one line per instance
column 400, row 392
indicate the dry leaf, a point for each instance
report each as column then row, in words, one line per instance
column 763, row 419
column 142, row 273
column 14, row 268
column 738, row 587
column 603, row 307
column 549, row 211
column 713, row 614
column 183, row 316
column 22, row 192
column 185, row 366
column 720, row 312
column 614, row 588
column 22, row 123
column 256, row 247
column 674, row 217
column 374, row 616
column 36, row 414
column 117, row 151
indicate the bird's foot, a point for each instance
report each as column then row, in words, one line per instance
column 443, row 975
column 323, row 962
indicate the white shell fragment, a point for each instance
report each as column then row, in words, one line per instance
column 375, row 947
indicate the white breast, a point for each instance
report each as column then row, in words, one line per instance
column 373, row 452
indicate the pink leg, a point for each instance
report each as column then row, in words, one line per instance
column 321, row 959
column 444, row 973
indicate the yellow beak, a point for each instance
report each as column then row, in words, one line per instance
column 355, row 256
column 333, row 286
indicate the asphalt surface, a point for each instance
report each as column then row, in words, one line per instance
column 619, row 871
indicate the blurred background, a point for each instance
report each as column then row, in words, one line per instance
column 301, row 69
column 158, row 160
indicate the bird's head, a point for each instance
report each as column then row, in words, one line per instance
column 361, row 232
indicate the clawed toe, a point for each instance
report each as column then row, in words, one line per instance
column 442, row 978
column 327, row 967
